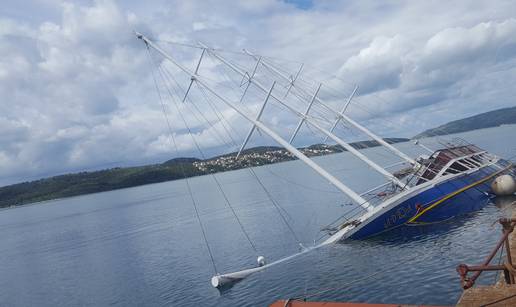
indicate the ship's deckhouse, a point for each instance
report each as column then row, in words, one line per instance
column 452, row 160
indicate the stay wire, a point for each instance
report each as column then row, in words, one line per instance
column 224, row 195
column 325, row 119
column 274, row 61
column 300, row 97
column 222, row 120
column 271, row 199
column 194, row 203
column 269, row 195
column 253, row 173
column 339, row 97
column 277, row 206
column 216, row 112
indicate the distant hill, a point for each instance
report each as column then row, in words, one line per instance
column 177, row 168
column 484, row 120
column 180, row 160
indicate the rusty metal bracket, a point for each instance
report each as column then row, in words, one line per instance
column 507, row 268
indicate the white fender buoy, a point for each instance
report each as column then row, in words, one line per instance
column 503, row 185
column 260, row 261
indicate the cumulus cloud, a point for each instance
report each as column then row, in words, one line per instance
column 77, row 93
column 440, row 71
column 459, row 45
column 378, row 66
column 60, row 83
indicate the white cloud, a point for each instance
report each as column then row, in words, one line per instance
column 458, row 45
column 444, row 69
column 379, row 66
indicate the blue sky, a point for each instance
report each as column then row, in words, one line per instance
column 302, row 4
column 76, row 90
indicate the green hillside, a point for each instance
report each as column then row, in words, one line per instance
column 484, row 120
column 177, row 168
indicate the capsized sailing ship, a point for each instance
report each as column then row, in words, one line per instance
column 451, row 181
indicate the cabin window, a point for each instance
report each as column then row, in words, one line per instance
column 477, row 159
column 468, row 163
column 455, row 168
column 475, row 163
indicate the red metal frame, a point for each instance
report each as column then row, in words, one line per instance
column 507, row 268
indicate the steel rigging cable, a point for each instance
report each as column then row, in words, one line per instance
column 181, row 165
column 273, row 201
column 204, row 157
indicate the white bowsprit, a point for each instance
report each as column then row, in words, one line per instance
column 221, row 280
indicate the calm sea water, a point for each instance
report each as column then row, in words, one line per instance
column 143, row 246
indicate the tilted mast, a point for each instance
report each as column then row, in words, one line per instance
column 194, row 76
column 341, row 114
column 304, row 117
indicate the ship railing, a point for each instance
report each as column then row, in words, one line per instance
column 416, row 179
column 348, row 217
column 396, row 164
column 380, row 193
column 374, row 196
column 376, row 188
column 507, row 267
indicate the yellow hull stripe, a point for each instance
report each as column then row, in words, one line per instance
column 415, row 217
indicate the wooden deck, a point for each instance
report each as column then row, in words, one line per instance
column 498, row 295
